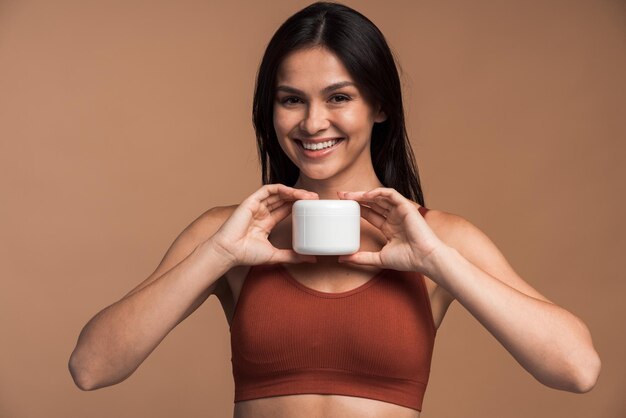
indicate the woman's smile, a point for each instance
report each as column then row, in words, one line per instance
column 318, row 148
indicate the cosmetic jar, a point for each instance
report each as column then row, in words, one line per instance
column 326, row 227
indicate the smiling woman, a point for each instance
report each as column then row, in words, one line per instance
column 349, row 335
column 359, row 84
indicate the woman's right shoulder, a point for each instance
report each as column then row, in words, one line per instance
column 216, row 214
column 205, row 225
column 196, row 232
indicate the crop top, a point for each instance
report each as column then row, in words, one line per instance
column 374, row 341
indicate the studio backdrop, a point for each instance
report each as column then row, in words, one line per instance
column 122, row 121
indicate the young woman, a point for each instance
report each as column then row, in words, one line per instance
column 348, row 336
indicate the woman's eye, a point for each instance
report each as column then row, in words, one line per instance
column 290, row 100
column 339, row 98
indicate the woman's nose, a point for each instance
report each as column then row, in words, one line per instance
column 315, row 119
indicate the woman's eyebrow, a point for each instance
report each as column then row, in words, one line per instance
column 325, row 90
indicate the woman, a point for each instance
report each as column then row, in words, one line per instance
column 334, row 336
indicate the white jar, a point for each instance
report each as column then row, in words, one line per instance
column 326, row 227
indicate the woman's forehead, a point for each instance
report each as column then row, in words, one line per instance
column 312, row 66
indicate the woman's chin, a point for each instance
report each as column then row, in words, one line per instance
column 316, row 175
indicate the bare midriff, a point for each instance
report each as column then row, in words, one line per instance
column 320, row 406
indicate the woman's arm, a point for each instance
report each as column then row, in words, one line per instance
column 119, row 338
column 551, row 343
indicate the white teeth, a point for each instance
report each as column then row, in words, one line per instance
column 321, row 145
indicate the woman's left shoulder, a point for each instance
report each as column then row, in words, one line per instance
column 451, row 228
column 472, row 243
column 458, row 232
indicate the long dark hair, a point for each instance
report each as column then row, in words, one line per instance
column 362, row 49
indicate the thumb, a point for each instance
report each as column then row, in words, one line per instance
column 292, row 257
column 363, row 258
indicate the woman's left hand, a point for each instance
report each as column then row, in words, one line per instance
column 410, row 240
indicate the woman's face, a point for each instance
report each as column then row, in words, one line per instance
column 318, row 105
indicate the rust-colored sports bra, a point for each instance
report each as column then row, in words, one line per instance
column 374, row 341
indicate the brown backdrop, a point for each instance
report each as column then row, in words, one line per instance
column 120, row 122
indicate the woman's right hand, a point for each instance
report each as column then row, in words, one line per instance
column 243, row 236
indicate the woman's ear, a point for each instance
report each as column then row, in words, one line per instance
column 380, row 116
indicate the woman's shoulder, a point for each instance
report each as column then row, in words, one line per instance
column 218, row 212
column 203, row 226
column 211, row 219
column 452, row 228
column 478, row 248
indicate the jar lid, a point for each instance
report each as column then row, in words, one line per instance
column 326, row 207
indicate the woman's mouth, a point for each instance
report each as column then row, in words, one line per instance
column 318, row 149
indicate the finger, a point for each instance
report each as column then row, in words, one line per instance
column 279, row 203
column 297, row 194
column 368, row 198
column 290, row 193
column 383, row 202
column 364, row 258
column 386, row 194
column 377, row 208
column 351, row 195
column 291, row 257
column 373, row 217
column 279, row 213
column 271, row 200
column 265, row 192
column 284, row 192
column 342, row 194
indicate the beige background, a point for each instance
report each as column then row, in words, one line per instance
column 121, row 122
